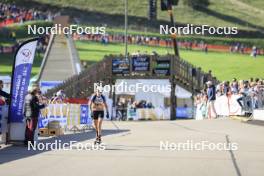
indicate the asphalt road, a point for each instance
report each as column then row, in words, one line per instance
column 134, row 149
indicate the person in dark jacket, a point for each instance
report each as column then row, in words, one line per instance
column 2, row 93
column 211, row 94
column 32, row 109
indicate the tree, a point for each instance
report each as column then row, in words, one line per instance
column 196, row 3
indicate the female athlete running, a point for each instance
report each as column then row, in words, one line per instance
column 98, row 105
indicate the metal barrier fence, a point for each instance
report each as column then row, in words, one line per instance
column 229, row 106
column 65, row 117
column 250, row 103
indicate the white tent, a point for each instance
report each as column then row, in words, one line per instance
column 156, row 97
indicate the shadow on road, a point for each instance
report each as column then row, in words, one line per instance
column 12, row 153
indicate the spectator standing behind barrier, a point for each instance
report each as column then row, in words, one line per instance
column 234, row 86
column 59, row 97
column 211, row 94
column 243, row 92
column 32, row 108
column 3, row 95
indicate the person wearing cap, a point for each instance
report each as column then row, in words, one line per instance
column 59, row 97
column 32, row 107
column 98, row 105
column 211, row 94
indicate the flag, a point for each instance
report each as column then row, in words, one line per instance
column 22, row 66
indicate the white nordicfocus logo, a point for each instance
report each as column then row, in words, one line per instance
column 66, row 30
column 190, row 29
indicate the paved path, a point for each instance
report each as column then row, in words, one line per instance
column 133, row 149
column 59, row 65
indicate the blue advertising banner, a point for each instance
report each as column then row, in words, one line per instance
column 120, row 66
column 20, row 78
column 184, row 113
column 85, row 118
column 65, row 114
column 140, row 63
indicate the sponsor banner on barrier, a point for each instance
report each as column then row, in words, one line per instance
column 53, row 112
column 184, row 113
column 162, row 68
column 140, row 63
column 224, row 106
column 73, row 118
column 85, row 115
column 148, row 114
column 258, row 114
column 65, row 114
column 120, row 66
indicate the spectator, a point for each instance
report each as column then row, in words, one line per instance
column 254, row 51
column 3, row 95
column 244, row 90
column 32, row 108
column 211, row 94
column 234, row 86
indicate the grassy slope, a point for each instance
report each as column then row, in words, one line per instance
column 254, row 3
column 224, row 65
column 221, row 13
column 242, row 13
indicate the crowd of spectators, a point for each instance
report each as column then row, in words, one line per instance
column 240, row 48
column 167, row 42
column 10, row 13
column 249, row 93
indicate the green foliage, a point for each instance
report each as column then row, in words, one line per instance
column 244, row 14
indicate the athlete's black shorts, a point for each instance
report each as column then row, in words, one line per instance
column 97, row 114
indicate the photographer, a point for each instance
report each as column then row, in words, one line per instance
column 32, row 108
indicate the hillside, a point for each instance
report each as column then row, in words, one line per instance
column 246, row 14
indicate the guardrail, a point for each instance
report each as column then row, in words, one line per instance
column 45, row 56
column 74, row 55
